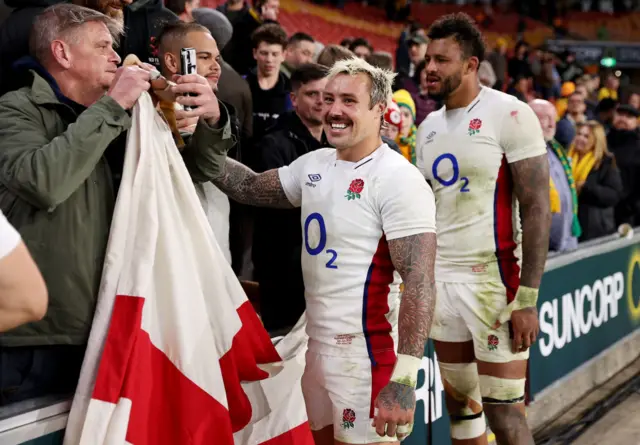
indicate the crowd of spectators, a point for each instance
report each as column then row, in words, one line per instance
column 62, row 144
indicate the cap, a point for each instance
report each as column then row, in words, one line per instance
column 216, row 22
column 628, row 109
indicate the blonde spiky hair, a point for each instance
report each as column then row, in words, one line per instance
column 381, row 79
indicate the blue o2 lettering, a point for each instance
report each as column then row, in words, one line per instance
column 456, row 172
column 334, row 255
column 322, row 242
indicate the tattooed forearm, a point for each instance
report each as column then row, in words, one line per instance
column 248, row 187
column 531, row 185
column 414, row 257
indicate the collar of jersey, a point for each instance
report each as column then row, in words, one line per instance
column 354, row 165
column 471, row 104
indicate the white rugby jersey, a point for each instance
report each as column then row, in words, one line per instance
column 350, row 210
column 464, row 153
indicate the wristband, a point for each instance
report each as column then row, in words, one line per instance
column 406, row 369
column 525, row 297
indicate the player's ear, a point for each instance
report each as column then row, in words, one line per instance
column 381, row 108
column 172, row 63
column 472, row 65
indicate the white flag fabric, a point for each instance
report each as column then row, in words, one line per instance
column 177, row 354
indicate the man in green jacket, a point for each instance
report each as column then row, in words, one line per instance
column 62, row 143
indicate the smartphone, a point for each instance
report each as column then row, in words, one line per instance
column 188, row 66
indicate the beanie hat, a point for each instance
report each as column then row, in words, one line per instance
column 392, row 115
column 403, row 99
column 567, row 89
column 216, row 22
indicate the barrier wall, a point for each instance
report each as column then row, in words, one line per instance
column 589, row 300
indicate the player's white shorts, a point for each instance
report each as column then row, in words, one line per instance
column 467, row 311
column 341, row 391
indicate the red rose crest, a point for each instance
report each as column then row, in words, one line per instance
column 492, row 342
column 474, row 126
column 355, row 188
column 348, row 417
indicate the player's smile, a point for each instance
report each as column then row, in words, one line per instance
column 336, row 127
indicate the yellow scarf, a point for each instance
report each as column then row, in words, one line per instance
column 581, row 168
column 554, row 198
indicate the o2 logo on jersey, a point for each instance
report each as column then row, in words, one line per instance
column 322, row 242
column 448, row 157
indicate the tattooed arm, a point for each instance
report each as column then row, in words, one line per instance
column 244, row 185
column 531, row 186
column 414, row 257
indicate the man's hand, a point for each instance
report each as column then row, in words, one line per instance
column 525, row 328
column 130, row 82
column 395, row 406
column 205, row 100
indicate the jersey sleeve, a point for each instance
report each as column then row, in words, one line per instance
column 9, row 237
column 420, row 147
column 521, row 134
column 291, row 179
column 407, row 204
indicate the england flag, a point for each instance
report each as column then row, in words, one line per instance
column 177, row 354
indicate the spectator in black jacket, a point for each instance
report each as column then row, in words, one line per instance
column 143, row 21
column 597, row 180
column 270, row 88
column 624, row 143
column 277, row 234
column 245, row 21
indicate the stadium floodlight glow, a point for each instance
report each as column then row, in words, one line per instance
column 608, row 62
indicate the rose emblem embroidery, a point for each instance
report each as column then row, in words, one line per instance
column 474, row 126
column 492, row 342
column 348, row 417
column 355, row 188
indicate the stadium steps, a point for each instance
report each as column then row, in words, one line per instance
column 331, row 25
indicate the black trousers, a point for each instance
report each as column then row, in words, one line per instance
column 27, row 372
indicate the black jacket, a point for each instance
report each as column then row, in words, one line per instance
column 239, row 51
column 625, row 145
column 277, row 236
column 143, row 21
column 268, row 105
column 596, row 201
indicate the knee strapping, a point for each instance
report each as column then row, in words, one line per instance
column 497, row 390
column 464, row 401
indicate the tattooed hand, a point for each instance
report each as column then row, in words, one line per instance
column 395, row 406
